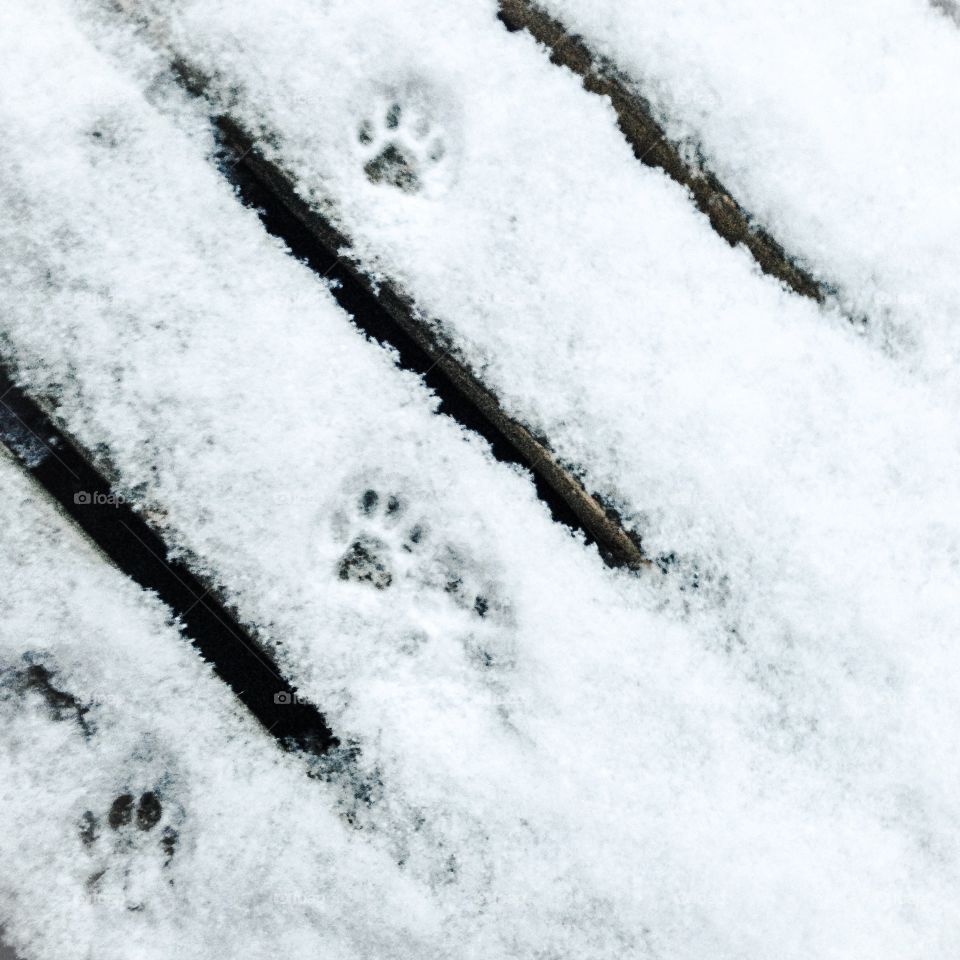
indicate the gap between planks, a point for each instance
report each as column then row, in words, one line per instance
column 82, row 492
column 652, row 147
column 466, row 398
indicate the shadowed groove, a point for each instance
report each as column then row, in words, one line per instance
column 63, row 471
column 387, row 313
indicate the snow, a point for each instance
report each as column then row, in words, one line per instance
column 949, row 7
column 804, row 478
column 835, row 126
column 557, row 760
column 235, row 852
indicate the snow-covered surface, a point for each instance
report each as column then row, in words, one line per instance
column 148, row 817
column 561, row 761
column 836, row 124
column 803, row 477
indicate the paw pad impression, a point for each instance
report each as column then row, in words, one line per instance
column 403, row 143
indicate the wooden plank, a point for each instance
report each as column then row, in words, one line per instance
column 652, row 146
column 67, row 475
column 618, row 547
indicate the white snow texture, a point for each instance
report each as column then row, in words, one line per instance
column 751, row 755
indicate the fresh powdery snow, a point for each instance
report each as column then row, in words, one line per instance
column 751, row 757
column 836, row 124
column 143, row 815
column 797, row 480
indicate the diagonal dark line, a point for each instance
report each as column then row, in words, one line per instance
column 385, row 313
column 651, row 145
column 33, row 433
column 124, row 536
column 248, row 646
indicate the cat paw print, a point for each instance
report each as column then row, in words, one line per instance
column 133, row 845
column 402, row 144
column 477, row 597
column 378, row 529
column 389, row 548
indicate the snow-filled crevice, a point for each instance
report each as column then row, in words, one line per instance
column 383, row 313
column 123, row 535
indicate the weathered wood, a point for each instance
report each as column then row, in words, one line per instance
column 617, row 546
column 651, row 145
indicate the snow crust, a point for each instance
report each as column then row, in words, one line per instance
column 754, row 756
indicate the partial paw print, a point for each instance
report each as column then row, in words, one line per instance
column 950, row 7
column 107, row 133
column 379, row 531
column 133, row 844
column 391, row 548
column 36, row 678
column 404, row 142
column 483, row 608
column 112, row 137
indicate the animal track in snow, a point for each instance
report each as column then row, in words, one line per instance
column 379, row 531
column 402, row 143
column 132, row 844
column 390, row 549
column 130, row 840
column 37, row 678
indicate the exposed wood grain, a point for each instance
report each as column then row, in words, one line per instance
column 652, row 147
